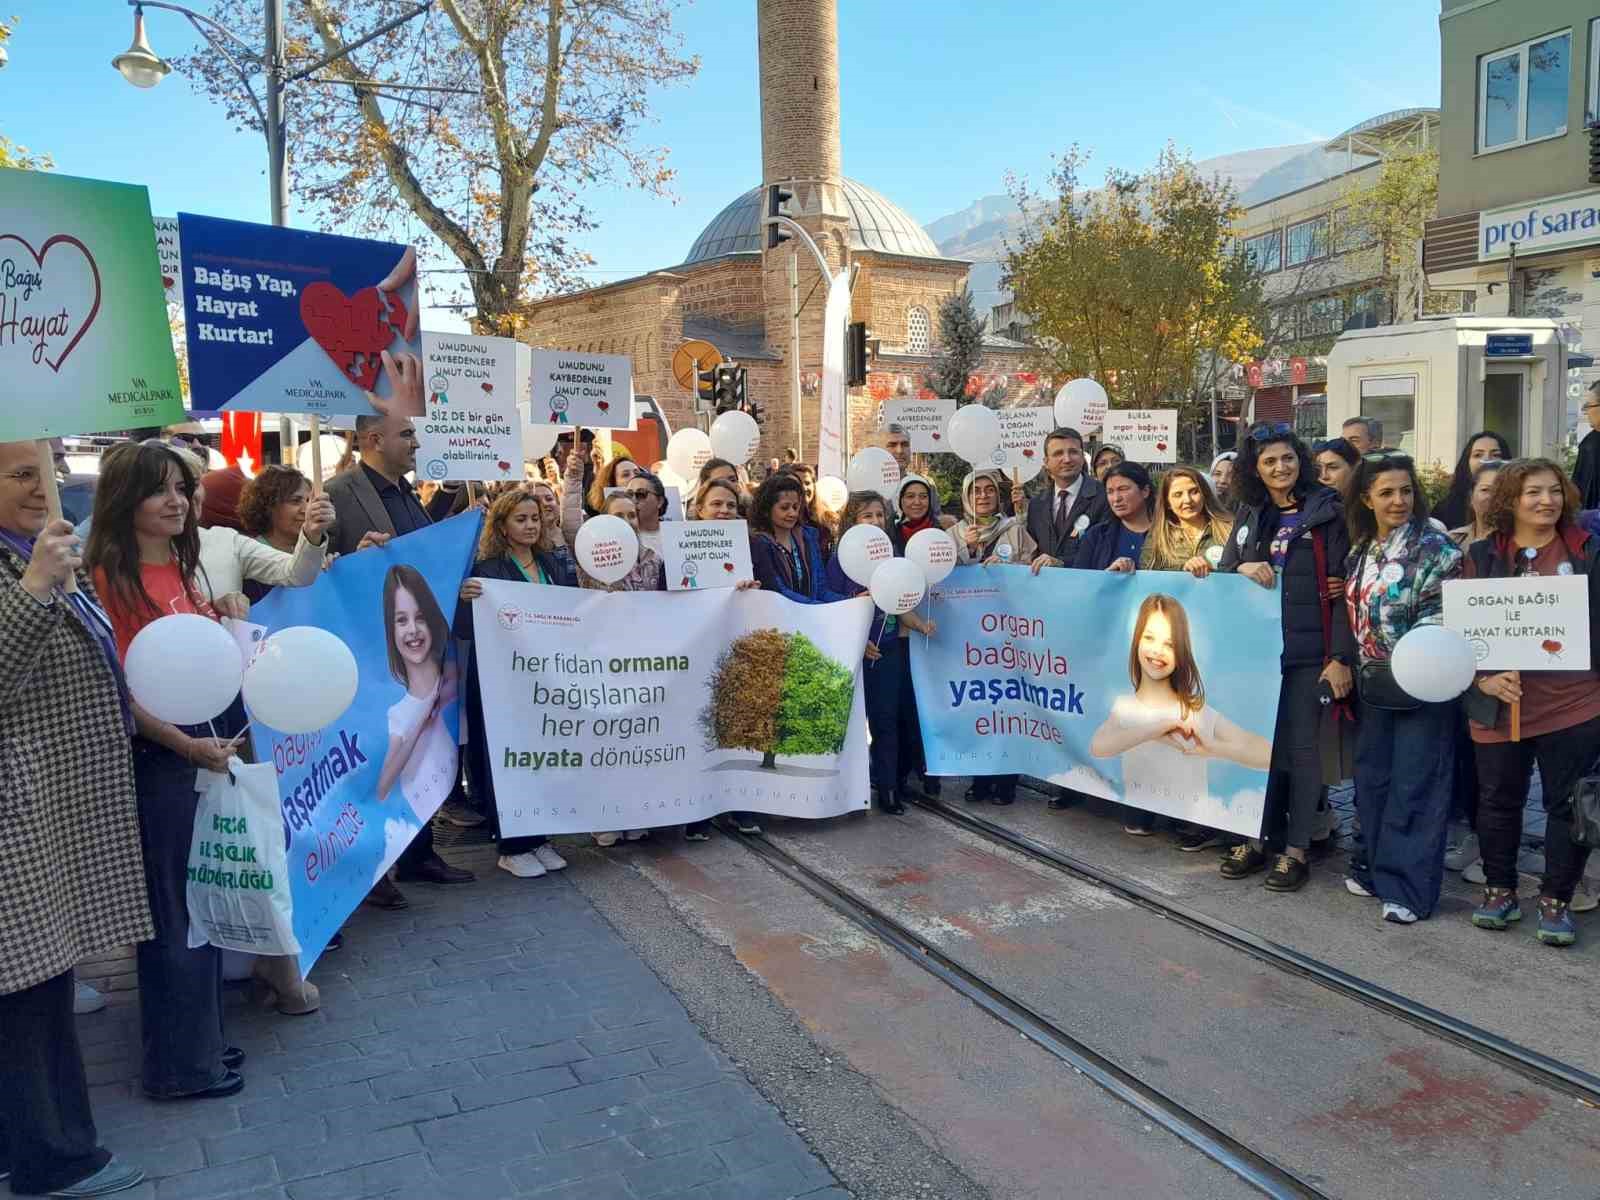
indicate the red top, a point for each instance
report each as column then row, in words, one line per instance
column 165, row 586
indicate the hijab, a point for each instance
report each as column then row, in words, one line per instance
column 990, row 529
column 930, row 520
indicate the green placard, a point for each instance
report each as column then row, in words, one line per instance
column 84, row 342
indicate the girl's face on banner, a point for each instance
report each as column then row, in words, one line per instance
column 985, row 497
column 412, row 637
column 786, row 511
column 162, row 513
column 1157, row 657
column 914, row 502
column 525, row 525
column 1185, row 500
column 872, row 514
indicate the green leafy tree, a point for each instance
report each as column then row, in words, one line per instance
column 777, row 693
column 815, row 711
column 1392, row 213
column 960, row 352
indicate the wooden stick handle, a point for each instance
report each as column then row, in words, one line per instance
column 52, row 494
column 316, row 455
column 1516, row 720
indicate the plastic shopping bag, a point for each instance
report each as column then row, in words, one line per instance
column 238, row 891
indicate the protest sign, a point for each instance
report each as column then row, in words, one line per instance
column 84, row 341
column 1532, row 623
column 282, row 320
column 357, row 792
column 1144, row 435
column 626, row 710
column 923, row 421
column 705, row 554
column 674, row 503
column 835, row 399
column 572, row 388
column 472, row 428
column 1156, row 702
column 1020, row 453
column 169, row 259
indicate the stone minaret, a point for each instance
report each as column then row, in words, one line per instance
column 798, row 44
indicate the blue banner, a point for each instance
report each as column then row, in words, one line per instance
column 1154, row 689
column 282, row 320
column 356, row 793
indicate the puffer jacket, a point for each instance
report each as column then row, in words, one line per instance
column 1303, row 607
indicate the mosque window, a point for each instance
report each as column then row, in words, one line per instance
column 917, row 330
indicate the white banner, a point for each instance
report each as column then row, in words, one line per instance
column 1144, row 435
column 923, row 421
column 835, row 399
column 1535, row 623
column 627, row 710
column 470, row 427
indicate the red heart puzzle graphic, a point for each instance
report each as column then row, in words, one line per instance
column 53, row 320
column 352, row 330
column 937, row 438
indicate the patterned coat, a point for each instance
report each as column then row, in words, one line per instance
column 71, row 873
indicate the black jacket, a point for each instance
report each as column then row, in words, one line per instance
column 1063, row 543
column 1097, row 548
column 1303, row 607
column 502, row 567
column 1487, row 564
column 1586, row 473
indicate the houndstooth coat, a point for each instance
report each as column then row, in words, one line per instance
column 71, row 873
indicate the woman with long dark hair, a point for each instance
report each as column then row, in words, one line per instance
column 1484, row 446
column 1337, row 461
column 1405, row 749
column 1533, row 513
column 786, row 553
column 144, row 548
column 1289, row 534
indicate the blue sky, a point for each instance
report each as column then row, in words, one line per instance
column 941, row 99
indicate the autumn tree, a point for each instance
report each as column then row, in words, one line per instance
column 777, row 693
column 1392, row 212
column 1135, row 282
column 530, row 105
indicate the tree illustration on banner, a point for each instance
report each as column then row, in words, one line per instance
column 777, row 693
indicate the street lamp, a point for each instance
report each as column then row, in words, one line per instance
column 138, row 63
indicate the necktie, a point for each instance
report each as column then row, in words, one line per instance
column 1061, row 510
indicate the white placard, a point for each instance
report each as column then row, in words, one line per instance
column 169, row 258
column 470, row 427
column 923, row 420
column 571, row 388
column 1535, row 623
column 705, row 554
column 524, row 375
column 674, row 503
column 1022, row 432
column 1144, row 435
column 835, row 402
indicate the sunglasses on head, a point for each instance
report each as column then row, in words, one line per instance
column 1394, row 456
column 1266, row 433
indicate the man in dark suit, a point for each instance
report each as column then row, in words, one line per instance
column 373, row 501
column 1059, row 516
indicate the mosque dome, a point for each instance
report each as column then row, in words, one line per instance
column 876, row 223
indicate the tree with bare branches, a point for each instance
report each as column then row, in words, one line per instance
column 511, row 112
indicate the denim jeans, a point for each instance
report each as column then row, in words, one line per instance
column 1405, row 775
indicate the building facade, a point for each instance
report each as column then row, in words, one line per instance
column 1519, row 217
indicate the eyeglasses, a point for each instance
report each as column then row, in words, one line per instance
column 28, row 477
column 640, row 493
column 1266, row 433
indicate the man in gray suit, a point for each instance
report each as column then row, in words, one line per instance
column 373, row 501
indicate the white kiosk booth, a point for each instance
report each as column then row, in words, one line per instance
column 1431, row 382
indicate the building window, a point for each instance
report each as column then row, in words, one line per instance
column 1368, row 309
column 1392, row 401
column 1593, row 106
column 1265, row 251
column 1350, row 233
column 917, row 331
column 1308, row 241
column 1522, row 92
column 1322, row 316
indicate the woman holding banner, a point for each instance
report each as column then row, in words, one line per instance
column 1405, row 750
column 1288, row 530
column 1117, row 543
column 145, row 553
column 71, row 881
column 511, row 547
column 1533, row 513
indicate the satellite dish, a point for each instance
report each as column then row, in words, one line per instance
column 689, row 359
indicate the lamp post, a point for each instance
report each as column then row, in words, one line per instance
column 143, row 68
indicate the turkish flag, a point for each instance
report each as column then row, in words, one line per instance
column 1252, row 373
column 241, row 439
column 1297, row 370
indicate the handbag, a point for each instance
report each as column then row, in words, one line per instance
column 238, row 890
column 1376, row 686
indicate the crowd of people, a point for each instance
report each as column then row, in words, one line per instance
column 97, row 855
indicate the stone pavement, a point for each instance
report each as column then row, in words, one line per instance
column 493, row 1040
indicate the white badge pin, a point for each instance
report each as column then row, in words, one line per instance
column 1564, row 569
column 1242, row 536
column 1080, row 524
column 1391, row 573
column 1214, row 555
column 1003, row 552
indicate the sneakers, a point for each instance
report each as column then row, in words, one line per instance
column 1498, row 910
column 1555, row 923
column 111, row 1178
column 606, row 839
column 461, row 816
column 1398, row 914
column 1133, row 830
column 549, row 859
column 1288, row 874
column 1462, row 853
column 1583, row 900
column 697, row 831
column 1356, row 888
column 1473, row 872
column 746, row 823
column 1243, row 860
column 1196, row 840
column 523, row 866
column 86, row 999
column 636, row 835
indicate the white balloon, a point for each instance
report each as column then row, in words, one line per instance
column 898, row 586
column 301, row 680
column 1433, row 664
column 862, row 550
column 934, row 551
column 873, row 470
column 973, row 432
column 537, row 440
column 332, row 449
column 184, row 668
column 736, row 437
column 833, row 492
column 607, row 546
column 670, row 478
column 1081, row 404
column 687, row 451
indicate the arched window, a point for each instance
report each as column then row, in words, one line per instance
column 917, row 330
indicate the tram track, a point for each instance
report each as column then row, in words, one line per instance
column 1254, row 1168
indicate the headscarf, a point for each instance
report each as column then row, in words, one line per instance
column 931, row 520
column 999, row 524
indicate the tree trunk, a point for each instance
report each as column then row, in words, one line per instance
column 769, row 761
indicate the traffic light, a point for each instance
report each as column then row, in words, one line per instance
column 777, row 197
column 706, row 386
column 728, row 390
column 855, row 354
